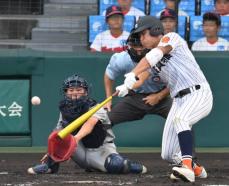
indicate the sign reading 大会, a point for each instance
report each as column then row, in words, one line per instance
column 14, row 107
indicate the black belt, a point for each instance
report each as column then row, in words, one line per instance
column 186, row 91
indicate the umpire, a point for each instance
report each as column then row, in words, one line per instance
column 151, row 98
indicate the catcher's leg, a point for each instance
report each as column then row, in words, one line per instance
column 117, row 164
column 47, row 167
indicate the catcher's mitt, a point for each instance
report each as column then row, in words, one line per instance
column 60, row 149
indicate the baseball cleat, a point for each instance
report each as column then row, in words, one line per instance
column 174, row 178
column 200, row 172
column 184, row 173
column 39, row 169
column 203, row 174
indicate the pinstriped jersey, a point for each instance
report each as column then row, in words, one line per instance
column 178, row 68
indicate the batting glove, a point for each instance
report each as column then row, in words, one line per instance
column 122, row 90
column 130, row 80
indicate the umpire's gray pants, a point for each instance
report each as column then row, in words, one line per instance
column 132, row 107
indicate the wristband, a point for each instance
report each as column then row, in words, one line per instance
column 154, row 56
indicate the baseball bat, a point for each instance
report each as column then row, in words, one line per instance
column 80, row 121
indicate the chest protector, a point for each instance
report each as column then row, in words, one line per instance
column 72, row 109
column 96, row 138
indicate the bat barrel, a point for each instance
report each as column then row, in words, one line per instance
column 81, row 120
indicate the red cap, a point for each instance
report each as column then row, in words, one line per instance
column 168, row 13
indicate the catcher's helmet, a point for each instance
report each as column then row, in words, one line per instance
column 75, row 81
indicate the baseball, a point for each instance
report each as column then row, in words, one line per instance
column 35, row 100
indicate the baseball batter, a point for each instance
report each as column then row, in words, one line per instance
column 95, row 150
column 193, row 100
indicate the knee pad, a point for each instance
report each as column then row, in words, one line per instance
column 114, row 163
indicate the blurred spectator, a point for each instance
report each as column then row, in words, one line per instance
column 113, row 39
column 128, row 9
column 168, row 18
column 222, row 7
column 211, row 41
column 171, row 4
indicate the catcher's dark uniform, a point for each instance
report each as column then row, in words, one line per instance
column 95, row 151
column 94, row 158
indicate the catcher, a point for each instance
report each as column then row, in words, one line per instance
column 95, row 149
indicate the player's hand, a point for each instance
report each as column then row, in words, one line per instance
column 152, row 99
column 130, row 80
column 76, row 139
column 108, row 106
column 122, row 90
column 44, row 159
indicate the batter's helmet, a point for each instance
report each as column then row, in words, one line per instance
column 149, row 22
column 75, row 81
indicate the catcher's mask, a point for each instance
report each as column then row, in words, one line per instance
column 135, row 48
column 72, row 109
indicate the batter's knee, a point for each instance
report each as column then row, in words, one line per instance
column 181, row 124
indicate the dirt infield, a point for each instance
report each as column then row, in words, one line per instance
column 13, row 172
